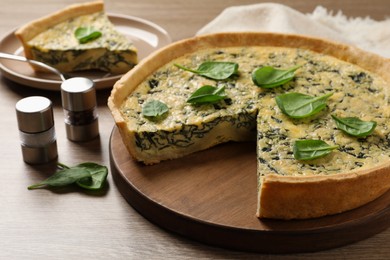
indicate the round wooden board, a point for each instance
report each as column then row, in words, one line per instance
column 210, row 196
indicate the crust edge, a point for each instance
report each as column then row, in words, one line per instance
column 340, row 192
column 32, row 29
column 320, row 195
column 124, row 86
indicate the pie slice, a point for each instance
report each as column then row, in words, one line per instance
column 357, row 84
column 52, row 40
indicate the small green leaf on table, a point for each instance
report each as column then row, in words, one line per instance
column 86, row 175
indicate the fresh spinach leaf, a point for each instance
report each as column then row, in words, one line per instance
column 269, row 77
column 86, row 34
column 63, row 178
column 297, row 105
column 218, row 70
column 96, row 180
column 311, row 149
column 354, row 126
column 86, row 175
column 207, row 94
column 154, row 108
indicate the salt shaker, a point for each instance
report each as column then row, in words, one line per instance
column 36, row 129
column 79, row 105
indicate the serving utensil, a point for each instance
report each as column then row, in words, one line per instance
column 8, row 56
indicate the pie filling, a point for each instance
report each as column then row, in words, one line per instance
column 59, row 47
column 288, row 188
column 188, row 128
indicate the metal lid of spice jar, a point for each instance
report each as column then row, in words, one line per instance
column 34, row 114
column 79, row 104
column 36, row 129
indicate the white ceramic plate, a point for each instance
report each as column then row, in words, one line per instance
column 147, row 37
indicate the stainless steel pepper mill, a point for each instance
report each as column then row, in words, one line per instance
column 36, row 129
column 79, row 103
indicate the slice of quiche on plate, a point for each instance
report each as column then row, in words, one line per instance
column 79, row 37
column 319, row 111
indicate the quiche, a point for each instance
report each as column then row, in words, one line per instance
column 356, row 83
column 52, row 40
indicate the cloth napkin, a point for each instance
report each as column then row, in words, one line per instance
column 365, row 33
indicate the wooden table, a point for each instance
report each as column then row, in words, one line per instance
column 71, row 224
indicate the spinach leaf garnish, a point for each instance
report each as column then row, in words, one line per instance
column 86, row 34
column 354, row 126
column 207, row 94
column 269, row 77
column 311, row 149
column 98, row 176
column 218, row 70
column 154, row 108
column 297, row 105
column 88, row 175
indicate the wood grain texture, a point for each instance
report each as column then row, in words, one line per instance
column 210, row 196
column 71, row 224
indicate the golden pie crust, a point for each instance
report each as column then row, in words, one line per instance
column 282, row 197
column 32, row 29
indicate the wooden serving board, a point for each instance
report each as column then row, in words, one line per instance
column 210, row 196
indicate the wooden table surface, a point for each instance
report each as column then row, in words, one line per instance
column 68, row 223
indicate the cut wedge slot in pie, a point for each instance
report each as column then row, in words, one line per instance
column 157, row 121
column 79, row 37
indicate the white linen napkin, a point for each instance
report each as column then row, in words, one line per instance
column 364, row 33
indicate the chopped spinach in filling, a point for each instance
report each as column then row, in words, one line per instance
column 356, row 92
